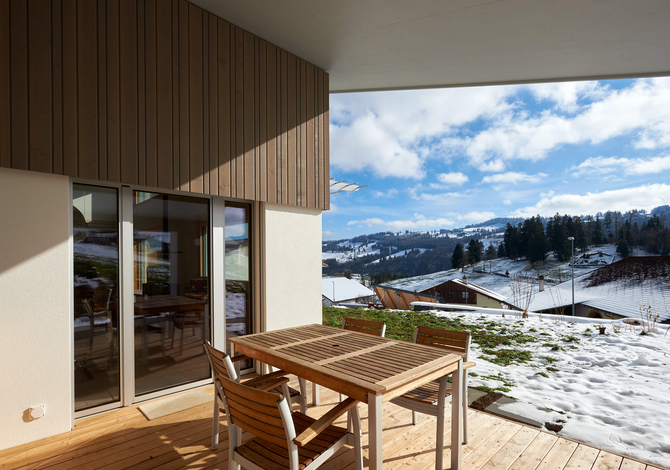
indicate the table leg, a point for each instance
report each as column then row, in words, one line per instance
column 457, row 417
column 375, row 431
column 315, row 394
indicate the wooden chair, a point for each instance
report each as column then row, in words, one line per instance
column 369, row 327
column 283, row 439
column 222, row 365
column 425, row 399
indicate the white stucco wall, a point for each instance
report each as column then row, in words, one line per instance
column 35, row 319
column 292, row 266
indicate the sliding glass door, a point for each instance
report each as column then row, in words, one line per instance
column 145, row 292
column 171, row 290
column 95, row 235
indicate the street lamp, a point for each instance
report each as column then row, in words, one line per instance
column 572, row 264
column 465, row 278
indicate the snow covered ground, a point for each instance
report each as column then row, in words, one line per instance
column 610, row 391
column 399, row 253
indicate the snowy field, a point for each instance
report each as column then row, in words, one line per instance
column 610, row 391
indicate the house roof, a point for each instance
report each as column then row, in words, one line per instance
column 337, row 289
column 480, row 290
column 381, row 45
column 621, row 288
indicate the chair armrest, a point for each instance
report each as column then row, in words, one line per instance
column 239, row 358
column 469, row 365
column 322, row 423
column 265, row 378
column 272, row 384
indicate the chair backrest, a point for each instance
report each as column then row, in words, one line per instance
column 266, row 415
column 370, row 327
column 220, row 362
column 454, row 341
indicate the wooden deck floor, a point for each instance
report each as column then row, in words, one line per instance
column 125, row 439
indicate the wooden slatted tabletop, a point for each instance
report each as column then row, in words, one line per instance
column 368, row 368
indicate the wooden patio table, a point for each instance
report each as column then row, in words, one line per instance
column 368, row 368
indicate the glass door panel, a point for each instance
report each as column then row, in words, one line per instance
column 96, row 280
column 238, row 272
column 171, row 290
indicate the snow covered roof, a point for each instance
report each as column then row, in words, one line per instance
column 621, row 288
column 337, row 289
column 480, row 289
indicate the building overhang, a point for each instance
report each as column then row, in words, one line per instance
column 381, row 45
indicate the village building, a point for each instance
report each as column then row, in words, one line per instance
column 344, row 291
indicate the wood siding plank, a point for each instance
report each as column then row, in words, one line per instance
column 150, row 93
column 283, row 112
column 102, row 90
column 262, row 181
column 113, row 94
column 320, row 140
column 70, row 120
column 18, row 10
column 5, row 90
column 39, row 85
column 141, row 96
column 128, row 92
column 239, row 114
column 176, row 144
column 184, row 114
column 164, row 108
column 205, row 103
column 195, row 90
column 87, row 89
column 57, row 86
column 309, row 118
column 326, row 141
column 223, row 101
column 213, row 105
column 271, row 123
column 291, row 121
column 302, row 170
column 249, row 125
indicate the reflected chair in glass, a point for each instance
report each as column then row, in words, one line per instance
column 223, row 366
column 426, row 399
column 281, row 436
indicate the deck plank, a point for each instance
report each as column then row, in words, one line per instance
column 126, row 439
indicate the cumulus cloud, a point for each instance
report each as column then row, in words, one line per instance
column 599, row 166
column 566, row 95
column 328, row 234
column 641, row 197
column 454, row 178
column 512, row 177
column 389, row 193
column 640, row 109
column 389, row 132
column 421, row 222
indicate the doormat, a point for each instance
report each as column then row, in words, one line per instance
column 168, row 406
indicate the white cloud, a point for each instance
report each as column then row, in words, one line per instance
column 566, row 94
column 455, row 178
column 386, row 132
column 512, row 177
column 437, row 198
column 641, row 197
column 599, row 166
column 328, row 234
column 507, row 202
column 494, row 166
column 390, row 193
column 642, row 108
column 476, row 216
column 417, row 222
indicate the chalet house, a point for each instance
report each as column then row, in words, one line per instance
column 341, row 291
column 164, row 165
column 459, row 291
column 628, row 288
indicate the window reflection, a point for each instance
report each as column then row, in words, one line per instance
column 172, row 315
column 96, row 320
column 238, row 273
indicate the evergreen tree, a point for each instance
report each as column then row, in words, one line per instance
column 457, row 257
column 622, row 247
column 511, row 241
column 501, row 251
column 490, row 252
column 598, row 235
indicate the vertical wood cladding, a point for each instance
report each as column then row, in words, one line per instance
column 163, row 94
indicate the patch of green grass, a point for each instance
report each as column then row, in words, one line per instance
column 545, row 334
column 506, row 357
column 543, row 374
column 571, row 339
column 473, row 374
column 499, row 378
column 533, row 330
column 588, row 330
column 484, row 388
column 550, row 359
column 554, row 347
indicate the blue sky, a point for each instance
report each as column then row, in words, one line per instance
column 446, row 158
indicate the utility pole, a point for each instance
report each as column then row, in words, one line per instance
column 572, row 240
